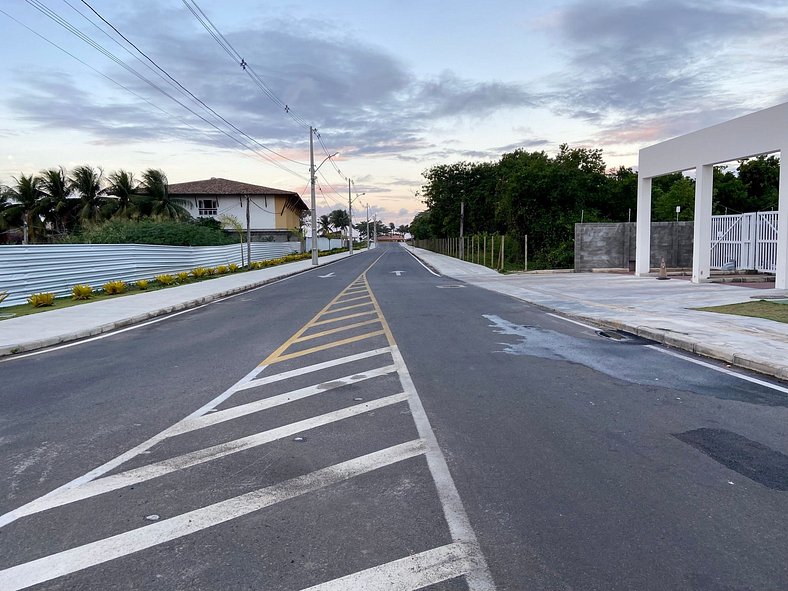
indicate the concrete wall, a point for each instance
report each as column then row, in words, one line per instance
column 612, row 246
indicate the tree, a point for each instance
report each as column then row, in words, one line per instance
column 125, row 189
column 157, row 201
column 761, row 177
column 681, row 193
column 85, row 181
column 339, row 219
column 57, row 208
column 325, row 228
column 230, row 222
column 403, row 229
column 26, row 210
column 420, row 226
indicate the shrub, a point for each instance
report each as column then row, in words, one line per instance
column 200, row 272
column 165, row 279
column 114, row 287
column 142, row 284
column 183, row 277
column 221, row 270
column 3, row 295
column 39, row 300
column 232, row 267
column 81, row 292
column 173, row 233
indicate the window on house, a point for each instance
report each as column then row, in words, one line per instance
column 207, row 206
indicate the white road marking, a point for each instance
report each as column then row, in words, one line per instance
column 418, row 260
column 588, row 326
column 286, row 375
column 478, row 576
column 151, row 471
column 720, row 369
column 242, row 410
column 398, row 273
column 69, row 561
column 326, row 276
column 407, row 574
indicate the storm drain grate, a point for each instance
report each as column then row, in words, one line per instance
column 749, row 458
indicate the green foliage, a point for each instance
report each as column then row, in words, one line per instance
column 81, row 292
column 183, row 276
column 114, row 287
column 222, row 270
column 232, row 267
column 39, row 300
column 165, row 232
column 165, row 279
column 200, row 272
column 142, row 284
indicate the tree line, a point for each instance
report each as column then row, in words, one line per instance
column 543, row 197
column 57, row 203
column 336, row 223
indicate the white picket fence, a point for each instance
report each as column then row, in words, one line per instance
column 34, row 268
column 748, row 240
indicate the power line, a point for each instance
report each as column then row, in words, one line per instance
column 52, row 15
column 182, row 87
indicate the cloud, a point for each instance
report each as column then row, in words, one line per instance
column 658, row 57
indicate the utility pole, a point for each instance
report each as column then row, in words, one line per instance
column 375, row 229
column 350, row 215
column 462, row 223
column 248, row 235
column 367, row 226
column 313, row 204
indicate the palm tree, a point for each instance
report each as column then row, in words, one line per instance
column 58, row 209
column 325, row 228
column 339, row 219
column 158, row 202
column 85, row 181
column 125, row 189
column 27, row 206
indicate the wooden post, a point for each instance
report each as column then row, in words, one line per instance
column 484, row 257
column 525, row 240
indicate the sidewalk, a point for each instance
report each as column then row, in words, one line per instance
column 36, row 331
column 657, row 310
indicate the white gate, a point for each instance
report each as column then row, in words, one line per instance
column 747, row 240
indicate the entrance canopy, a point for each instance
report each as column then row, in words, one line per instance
column 759, row 133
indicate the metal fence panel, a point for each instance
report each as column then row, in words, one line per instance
column 34, row 268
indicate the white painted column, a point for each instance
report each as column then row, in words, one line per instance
column 781, row 278
column 643, row 228
column 701, row 249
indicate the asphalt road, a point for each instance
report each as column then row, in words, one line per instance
column 370, row 425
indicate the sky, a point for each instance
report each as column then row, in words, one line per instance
column 394, row 86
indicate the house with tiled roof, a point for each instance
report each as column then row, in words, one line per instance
column 273, row 213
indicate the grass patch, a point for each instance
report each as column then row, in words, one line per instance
column 760, row 309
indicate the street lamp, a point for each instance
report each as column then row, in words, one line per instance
column 312, row 173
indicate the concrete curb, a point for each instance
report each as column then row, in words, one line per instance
column 140, row 318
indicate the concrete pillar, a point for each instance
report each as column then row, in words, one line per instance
column 643, row 228
column 781, row 278
column 701, row 247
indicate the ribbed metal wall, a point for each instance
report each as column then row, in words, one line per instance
column 58, row 267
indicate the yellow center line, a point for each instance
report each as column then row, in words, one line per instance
column 361, row 281
column 331, row 345
column 340, row 318
column 324, row 333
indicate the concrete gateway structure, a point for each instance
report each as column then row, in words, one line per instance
column 273, row 213
column 759, row 133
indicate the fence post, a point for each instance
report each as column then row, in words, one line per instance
column 503, row 249
column 526, row 251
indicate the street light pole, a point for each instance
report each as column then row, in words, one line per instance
column 314, row 204
column 312, row 173
column 350, row 216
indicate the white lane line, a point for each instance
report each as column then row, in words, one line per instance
column 286, row 375
column 76, row 559
column 13, row 515
column 588, row 326
column 259, row 405
column 407, row 574
column 478, row 577
column 151, row 471
column 418, row 260
column 720, row 369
